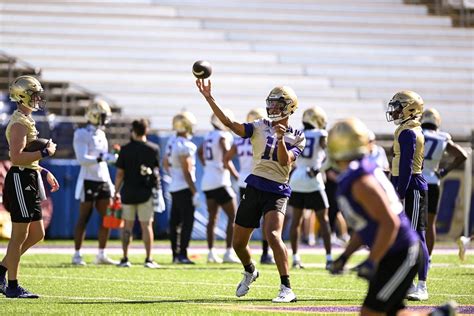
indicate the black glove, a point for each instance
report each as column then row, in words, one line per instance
column 366, row 269
column 337, row 267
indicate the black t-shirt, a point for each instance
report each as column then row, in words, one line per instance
column 137, row 159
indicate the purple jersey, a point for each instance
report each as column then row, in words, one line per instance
column 356, row 215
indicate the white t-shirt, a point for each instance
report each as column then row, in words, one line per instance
column 435, row 145
column 215, row 175
column 379, row 157
column 175, row 148
column 244, row 152
column 312, row 156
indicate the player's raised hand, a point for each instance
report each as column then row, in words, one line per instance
column 280, row 130
column 203, row 88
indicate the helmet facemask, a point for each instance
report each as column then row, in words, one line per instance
column 395, row 112
column 277, row 109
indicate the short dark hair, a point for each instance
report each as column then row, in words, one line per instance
column 140, row 127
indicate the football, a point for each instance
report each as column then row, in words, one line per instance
column 36, row 145
column 202, row 69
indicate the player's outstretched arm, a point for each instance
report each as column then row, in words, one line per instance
column 236, row 127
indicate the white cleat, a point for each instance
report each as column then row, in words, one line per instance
column 421, row 294
column 151, row 265
column 297, row 264
column 411, row 290
column 286, row 295
column 103, row 259
column 463, row 242
column 78, row 261
column 244, row 285
column 230, row 257
column 213, row 258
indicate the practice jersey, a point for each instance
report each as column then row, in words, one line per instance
column 358, row 218
column 379, row 157
column 407, row 162
column 312, row 156
column 267, row 173
column 178, row 147
column 31, row 133
column 215, row 175
column 435, row 145
column 244, row 153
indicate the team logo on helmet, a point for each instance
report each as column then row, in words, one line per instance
column 27, row 91
column 281, row 103
column 405, row 105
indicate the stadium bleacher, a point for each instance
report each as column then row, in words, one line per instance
column 349, row 57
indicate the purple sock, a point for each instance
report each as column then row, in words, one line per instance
column 423, row 267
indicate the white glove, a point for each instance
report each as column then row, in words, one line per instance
column 159, row 205
column 196, row 200
column 108, row 157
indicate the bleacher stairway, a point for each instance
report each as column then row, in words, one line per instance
column 347, row 56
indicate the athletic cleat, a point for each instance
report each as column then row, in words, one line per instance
column 297, row 264
column 448, row 309
column 411, row 290
column 150, row 264
column 267, row 259
column 213, row 258
column 182, row 259
column 19, row 292
column 329, row 264
column 78, row 261
column 462, row 244
column 3, row 285
column 421, row 294
column 124, row 263
column 286, row 295
column 244, row 285
column 230, row 257
column 103, row 259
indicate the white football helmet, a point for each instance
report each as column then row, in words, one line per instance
column 281, row 103
column 218, row 124
column 431, row 116
column 404, row 105
column 98, row 113
column 184, row 122
column 27, row 91
column 316, row 117
column 256, row 114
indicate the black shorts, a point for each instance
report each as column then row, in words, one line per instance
column 242, row 192
column 21, row 195
column 316, row 200
column 256, row 203
column 96, row 190
column 222, row 195
column 393, row 278
column 415, row 208
column 433, row 198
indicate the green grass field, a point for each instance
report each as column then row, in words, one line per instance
column 204, row 288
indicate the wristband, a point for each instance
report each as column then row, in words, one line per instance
column 44, row 153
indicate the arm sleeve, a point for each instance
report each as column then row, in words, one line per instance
column 407, row 141
column 248, row 130
column 80, row 149
column 299, row 146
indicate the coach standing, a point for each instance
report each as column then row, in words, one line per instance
column 138, row 171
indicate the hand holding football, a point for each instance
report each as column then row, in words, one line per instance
column 36, row 145
column 202, row 69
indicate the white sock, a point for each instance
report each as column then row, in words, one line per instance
column 228, row 251
column 77, row 253
column 296, row 257
column 101, row 252
column 421, row 284
column 329, row 257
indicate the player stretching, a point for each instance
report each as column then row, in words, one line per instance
column 275, row 147
column 23, row 189
column 436, row 143
column 243, row 149
column 216, row 185
column 405, row 109
column 307, row 183
column 372, row 208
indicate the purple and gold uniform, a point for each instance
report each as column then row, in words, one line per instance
column 396, row 270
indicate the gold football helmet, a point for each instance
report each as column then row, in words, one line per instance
column 348, row 140
column 218, row 124
column 255, row 114
column 184, row 122
column 281, row 103
column 98, row 112
column 316, row 117
column 27, row 91
column 431, row 116
column 404, row 105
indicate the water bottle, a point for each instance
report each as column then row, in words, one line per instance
column 155, row 200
